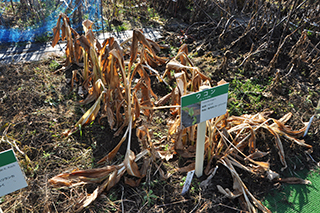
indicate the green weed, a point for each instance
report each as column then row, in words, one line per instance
column 244, row 95
column 157, row 134
column 183, row 180
column 46, row 155
column 53, row 65
column 166, row 148
column 149, row 197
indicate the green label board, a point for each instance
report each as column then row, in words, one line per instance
column 204, row 105
column 11, row 176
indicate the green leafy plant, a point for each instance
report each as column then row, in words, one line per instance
column 183, row 180
column 244, row 95
column 157, row 134
column 53, row 65
column 46, row 154
column 149, row 197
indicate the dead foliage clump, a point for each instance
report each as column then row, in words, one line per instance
column 118, row 83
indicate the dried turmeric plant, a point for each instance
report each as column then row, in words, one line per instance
column 109, row 80
column 73, row 50
column 232, row 141
column 109, row 84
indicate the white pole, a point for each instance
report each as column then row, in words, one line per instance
column 201, row 135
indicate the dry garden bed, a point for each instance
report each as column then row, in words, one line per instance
column 99, row 130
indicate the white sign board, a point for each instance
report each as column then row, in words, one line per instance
column 11, row 176
column 204, row 105
column 198, row 107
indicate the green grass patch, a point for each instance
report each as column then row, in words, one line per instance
column 244, row 95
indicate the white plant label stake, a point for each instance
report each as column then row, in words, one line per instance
column 308, row 127
column 187, row 183
column 11, row 176
column 197, row 108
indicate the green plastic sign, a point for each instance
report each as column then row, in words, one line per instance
column 11, row 176
column 204, row 105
